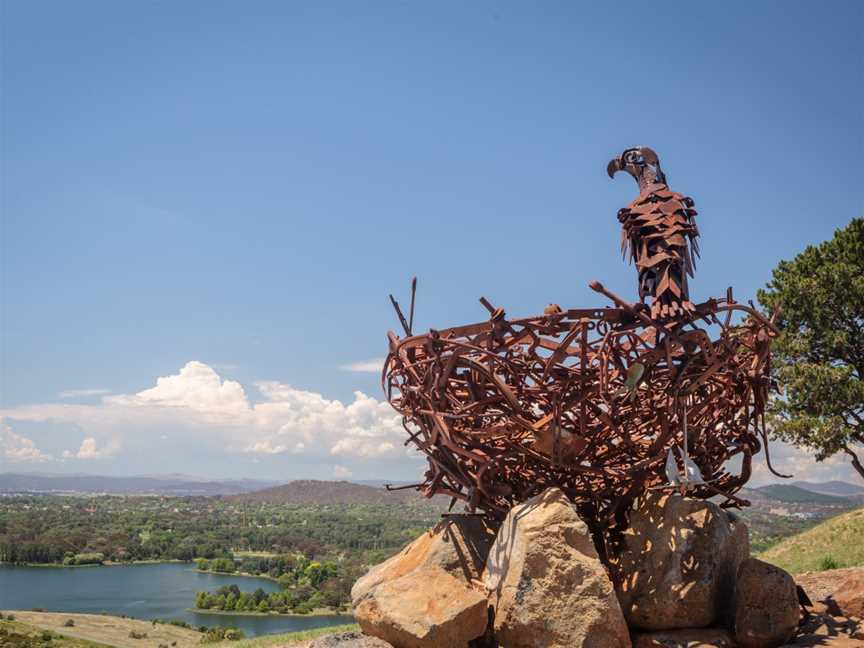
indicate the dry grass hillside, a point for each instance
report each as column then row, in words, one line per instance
column 837, row 542
column 108, row 630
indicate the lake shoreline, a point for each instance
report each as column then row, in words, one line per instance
column 317, row 612
column 107, row 563
column 154, row 591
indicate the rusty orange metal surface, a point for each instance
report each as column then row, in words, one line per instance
column 592, row 400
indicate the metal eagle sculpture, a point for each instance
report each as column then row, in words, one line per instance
column 659, row 233
column 604, row 403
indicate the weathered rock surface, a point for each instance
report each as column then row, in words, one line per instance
column 766, row 605
column 547, row 584
column 688, row 638
column 458, row 545
column 424, row 597
column 424, row 609
column 841, row 591
column 679, row 563
column 348, row 640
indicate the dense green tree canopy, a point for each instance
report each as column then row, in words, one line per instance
column 819, row 355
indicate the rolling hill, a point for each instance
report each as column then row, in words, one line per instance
column 139, row 485
column 791, row 494
column 840, row 538
column 841, row 488
column 315, row 492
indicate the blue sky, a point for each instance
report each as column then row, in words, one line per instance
column 239, row 186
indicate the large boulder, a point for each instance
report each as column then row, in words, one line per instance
column 426, row 608
column 678, row 563
column 688, row 638
column 458, row 545
column 547, row 585
column 766, row 605
column 428, row 595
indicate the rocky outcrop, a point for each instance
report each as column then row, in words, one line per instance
column 428, row 595
column 766, row 605
column 348, row 640
column 840, row 591
column 679, row 562
column 690, row 638
column 827, row 631
column 546, row 583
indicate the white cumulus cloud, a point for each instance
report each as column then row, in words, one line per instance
column 16, row 448
column 89, row 450
column 801, row 465
column 197, row 387
column 196, row 405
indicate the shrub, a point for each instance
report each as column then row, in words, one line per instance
column 827, row 563
column 47, row 635
column 69, row 623
column 218, row 633
column 179, row 623
column 137, row 635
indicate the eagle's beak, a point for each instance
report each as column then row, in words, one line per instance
column 615, row 165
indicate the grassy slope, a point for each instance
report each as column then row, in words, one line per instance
column 110, row 630
column 841, row 538
column 15, row 633
column 99, row 631
column 286, row 639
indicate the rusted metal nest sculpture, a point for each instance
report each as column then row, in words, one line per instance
column 603, row 403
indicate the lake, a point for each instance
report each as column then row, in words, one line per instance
column 161, row 591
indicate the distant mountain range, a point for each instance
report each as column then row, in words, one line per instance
column 135, row 485
column 344, row 492
column 844, row 489
column 791, row 494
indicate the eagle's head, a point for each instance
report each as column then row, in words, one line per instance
column 640, row 162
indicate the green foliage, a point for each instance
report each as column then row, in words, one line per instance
column 827, row 563
column 307, row 586
column 133, row 634
column 223, row 565
column 213, row 635
column 54, row 529
column 93, row 558
column 819, row 356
